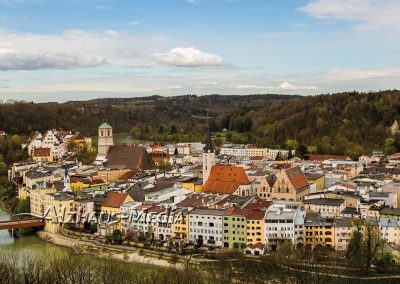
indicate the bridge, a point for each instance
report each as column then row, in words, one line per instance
column 19, row 224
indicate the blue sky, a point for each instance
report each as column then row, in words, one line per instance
column 53, row 50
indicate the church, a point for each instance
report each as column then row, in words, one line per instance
column 130, row 157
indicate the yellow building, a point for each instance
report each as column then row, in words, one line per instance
column 112, row 203
column 318, row 179
column 113, row 175
column 264, row 188
column 319, row 231
column 255, row 227
column 343, row 232
column 390, row 230
column 54, row 205
column 291, row 184
column 194, row 184
column 180, row 226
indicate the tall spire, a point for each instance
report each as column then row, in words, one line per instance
column 209, row 148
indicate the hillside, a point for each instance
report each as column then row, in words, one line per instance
column 342, row 123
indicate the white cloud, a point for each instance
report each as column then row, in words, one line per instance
column 188, row 57
column 285, row 86
column 76, row 48
column 102, row 8
column 15, row 60
column 370, row 15
column 134, row 23
column 360, row 74
column 193, row 1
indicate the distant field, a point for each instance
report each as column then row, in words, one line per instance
column 222, row 135
column 121, row 139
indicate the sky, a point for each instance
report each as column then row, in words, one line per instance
column 54, row 50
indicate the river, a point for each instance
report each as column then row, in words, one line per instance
column 27, row 244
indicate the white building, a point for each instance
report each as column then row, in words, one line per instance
column 333, row 178
column 205, row 225
column 173, row 195
column 129, row 215
column 284, row 221
column 237, row 150
column 272, row 153
column 51, row 139
column 390, row 230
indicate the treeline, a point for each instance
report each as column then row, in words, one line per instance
column 345, row 123
column 123, row 114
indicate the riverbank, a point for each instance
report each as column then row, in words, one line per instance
column 103, row 251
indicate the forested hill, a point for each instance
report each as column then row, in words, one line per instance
column 124, row 113
column 340, row 123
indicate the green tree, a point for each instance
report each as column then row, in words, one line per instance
column 285, row 252
column 389, row 146
column 363, row 246
column 72, row 145
column 86, row 156
column 135, row 132
column 173, row 129
column 117, row 237
column 165, row 166
column 292, row 144
column 279, row 157
column 23, row 206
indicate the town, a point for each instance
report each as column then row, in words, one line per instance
column 234, row 196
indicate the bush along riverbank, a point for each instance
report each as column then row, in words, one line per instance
column 228, row 267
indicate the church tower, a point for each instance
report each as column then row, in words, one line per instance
column 67, row 181
column 208, row 157
column 105, row 139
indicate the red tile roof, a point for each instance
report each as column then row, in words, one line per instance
column 297, row 178
column 225, row 179
column 260, row 204
column 41, row 152
column 114, row 199
column 256, row 246
column 256, row 215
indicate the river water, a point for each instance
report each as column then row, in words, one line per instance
column 29, row 245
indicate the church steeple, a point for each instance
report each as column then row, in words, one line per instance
column 67, row 181
column 208, row 156
column 209, row 148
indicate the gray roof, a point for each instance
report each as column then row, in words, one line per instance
column 390, row 211
column 36, row 174
column 314, row 219
column 207, row 211
column 324, row 201
column 62, row 196
column 343, row 222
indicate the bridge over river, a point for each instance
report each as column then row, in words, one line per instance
column 23, row 223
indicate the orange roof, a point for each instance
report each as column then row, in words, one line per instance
column 259, row 204
column 297, row 178
column 256, row 215
column 114, row 199
column 225, row 179
column 234, row 211
column 256, row 246
column 41, row 152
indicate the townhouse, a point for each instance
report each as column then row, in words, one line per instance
column 284, row 221
column 205, row 226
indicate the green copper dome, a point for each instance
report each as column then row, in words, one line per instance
column 105, row 125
